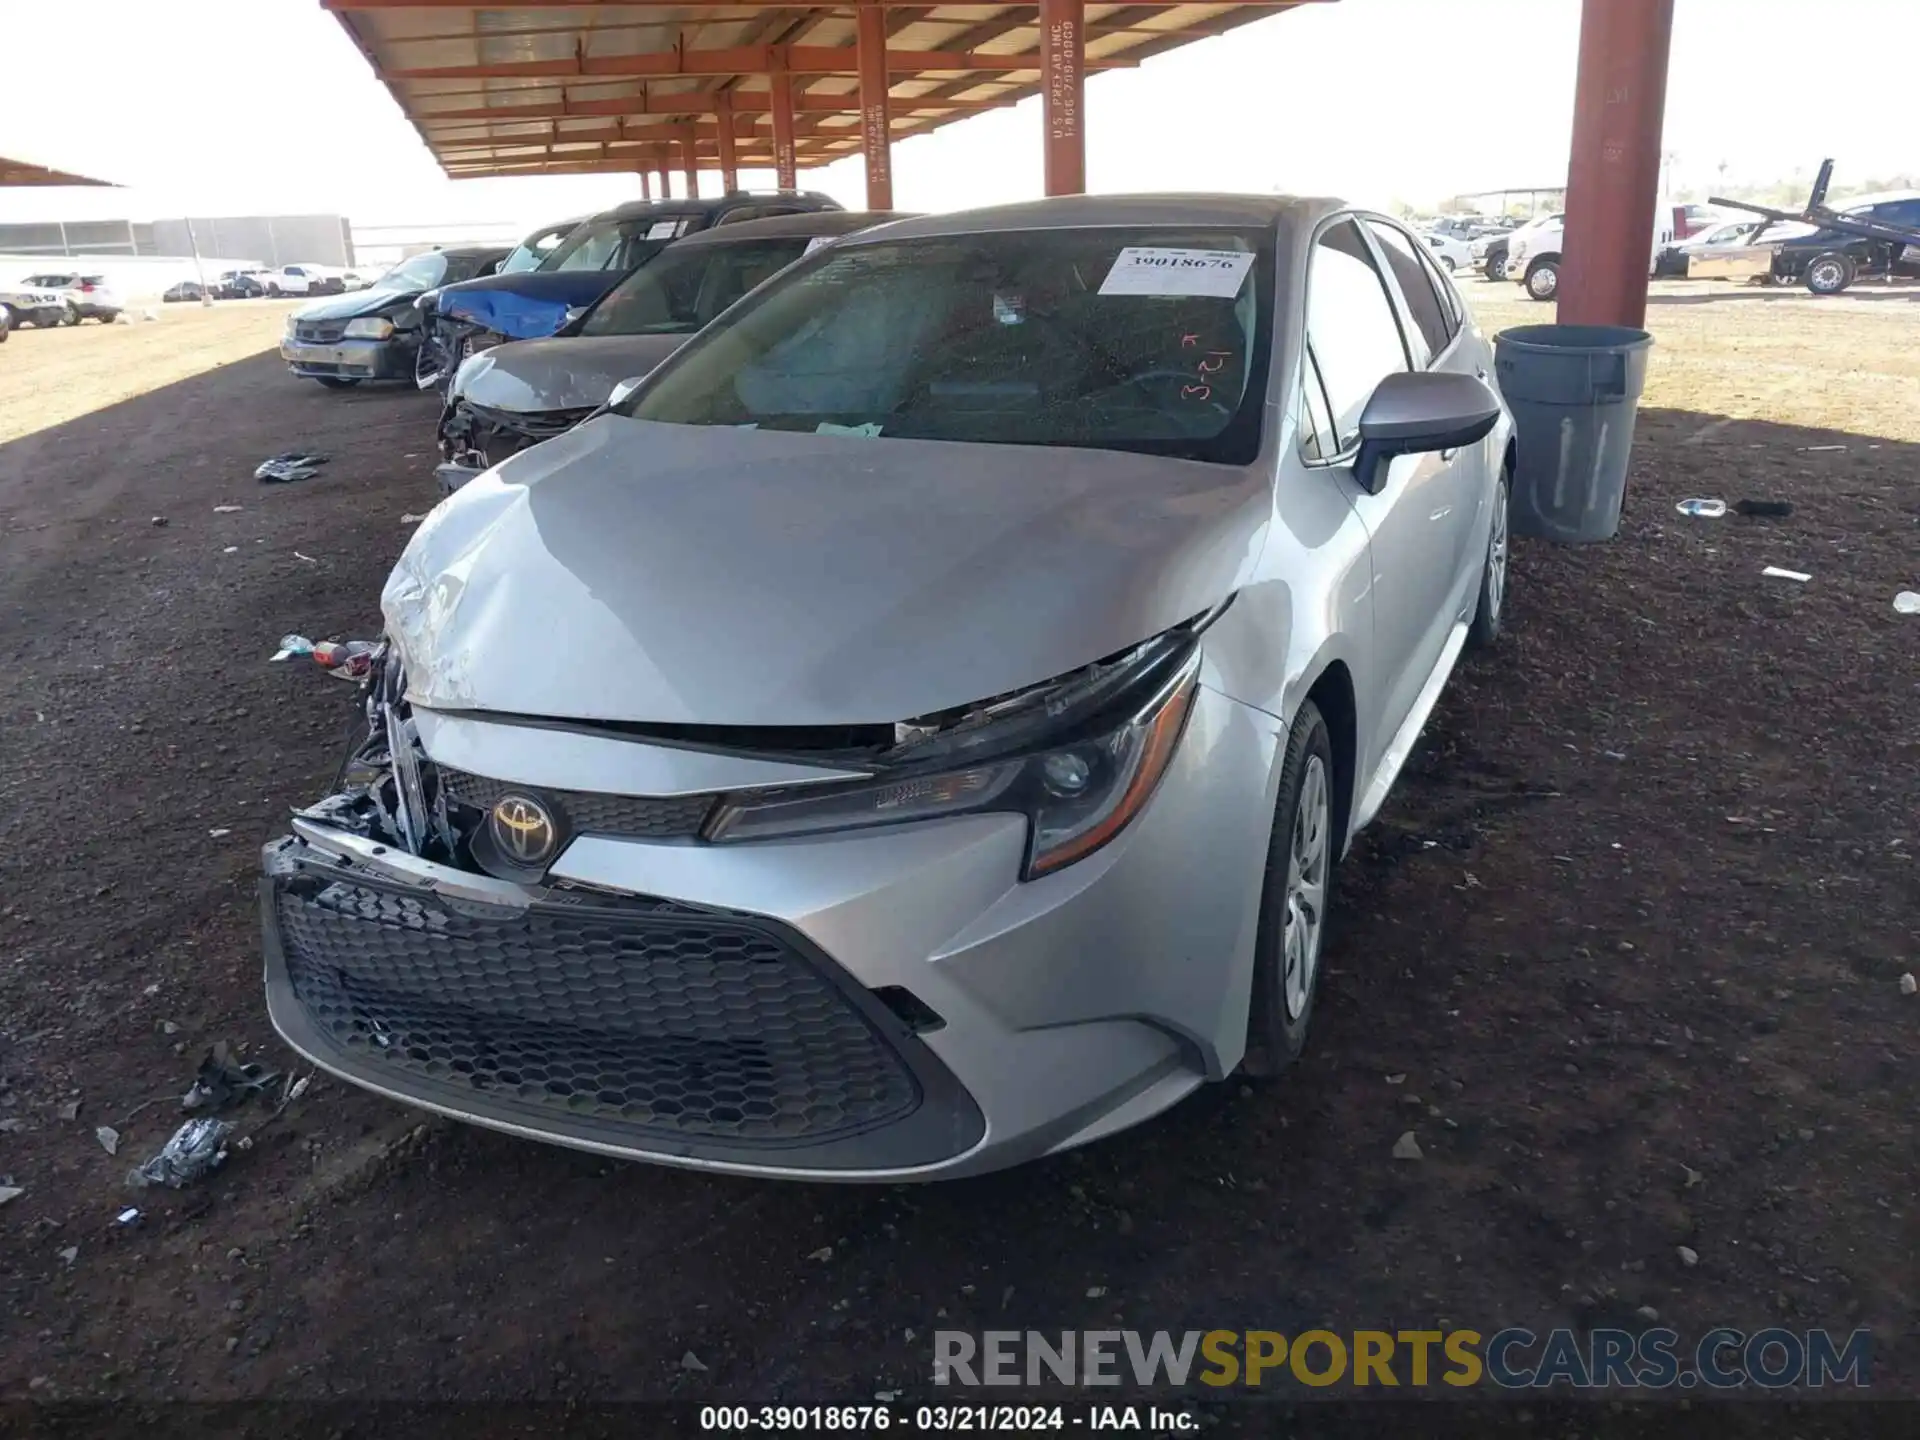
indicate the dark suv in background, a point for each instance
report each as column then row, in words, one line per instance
column 600, row 251
column 1828, row 261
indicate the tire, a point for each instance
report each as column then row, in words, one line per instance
column 1830, row 273
column 1447, row 260
column 72, row 316
column 1490, row 608
column 338, row 382
column 1496, row 267
column 1283, row 992
column 1543, row 279
column 274, row 291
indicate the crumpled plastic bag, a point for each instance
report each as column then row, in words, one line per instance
column 290, row 465
column 197, row 1148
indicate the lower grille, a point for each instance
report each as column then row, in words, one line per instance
column 667, row 817
column 667, row 1025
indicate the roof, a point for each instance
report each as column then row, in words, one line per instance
column 1063, row 212
column 789, row 227
column 570, row 86
column 25, row 172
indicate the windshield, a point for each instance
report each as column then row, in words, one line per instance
column 679, row 290
column 529, row 255
column 610, row 244
column 1121, row 339
column 421, row 272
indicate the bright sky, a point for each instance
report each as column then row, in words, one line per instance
column 262, row 106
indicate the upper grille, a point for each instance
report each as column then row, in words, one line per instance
column 662, row 817
column 319, row 332
column 684, row 1026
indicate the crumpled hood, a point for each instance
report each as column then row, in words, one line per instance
column 559, row 373
column 354, row 304
column 527, row 304
column 701, row 575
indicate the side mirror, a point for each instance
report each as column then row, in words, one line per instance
column 1415, row 414
column 623, row 391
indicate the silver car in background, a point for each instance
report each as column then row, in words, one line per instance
column 513, row 396
column 913, row 730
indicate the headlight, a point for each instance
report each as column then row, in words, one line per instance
column 369, row 327
column 1078, row 787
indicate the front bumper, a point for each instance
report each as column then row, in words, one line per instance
column 390, row 359
column 920, row 1014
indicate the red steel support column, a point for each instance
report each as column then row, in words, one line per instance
column 876, row 138
column 690, row 163
column 729, row 170
column 1613, row 175
column 666, row 183
column 1063, row 94
column 784, row 163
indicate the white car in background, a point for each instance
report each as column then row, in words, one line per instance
column 86, row 297
column 301, row 280
column 1451, row 251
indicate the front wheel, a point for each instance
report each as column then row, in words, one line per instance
column 1543, row 279
column 1491, row 607
column 1831, row 273
column 1294, row 900
column 1447, row 260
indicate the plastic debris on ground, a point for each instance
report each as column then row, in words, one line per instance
column 226, row 509
column 344, row 659
column 223, row 1081
column 411, row 519
column 1703, row 509
column 109, row 1139
column 290, row 465
column 1771, row 509
column 11, row 1193
column 128, row 1216
column 1907, row 602
column 1774, row 572
column 197, row 1148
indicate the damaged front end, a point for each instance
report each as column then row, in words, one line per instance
column 474, row 437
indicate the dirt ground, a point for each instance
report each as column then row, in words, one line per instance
column 48, row 377
column 1623, row 952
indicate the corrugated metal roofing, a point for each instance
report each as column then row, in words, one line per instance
column 25, row 172
column 547, row 87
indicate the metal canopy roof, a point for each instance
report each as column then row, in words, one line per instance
column 24, row 172
column 562, row 86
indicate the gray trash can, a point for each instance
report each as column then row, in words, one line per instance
column 1574, row 391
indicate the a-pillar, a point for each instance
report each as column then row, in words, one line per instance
column 729, row 167
column 876, row 140
column 1613, row 174
column 785, row 163
column 690, row 163
column 1063, row 94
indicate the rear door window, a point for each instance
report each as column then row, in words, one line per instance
column 1423, row 300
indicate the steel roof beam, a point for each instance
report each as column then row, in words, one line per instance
column 743, row 60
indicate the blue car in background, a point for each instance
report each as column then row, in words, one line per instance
column 558, row 272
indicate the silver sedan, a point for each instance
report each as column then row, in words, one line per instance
column 914, row 729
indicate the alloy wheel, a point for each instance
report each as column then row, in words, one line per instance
column 1497, row 556
column 1309, row 851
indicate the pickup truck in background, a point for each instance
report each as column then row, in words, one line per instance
column 1534, row 250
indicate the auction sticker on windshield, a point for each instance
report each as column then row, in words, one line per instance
column 1152, row 270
